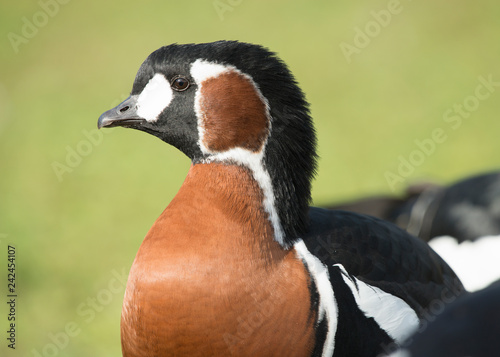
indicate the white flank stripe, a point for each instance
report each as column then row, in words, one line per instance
column 154, row 98
column 327, row 304
column 475, row 263
column 391, row 313
column 400, row 353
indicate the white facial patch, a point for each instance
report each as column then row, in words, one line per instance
column 391, row 313
column 202, row 70
column 154, row 98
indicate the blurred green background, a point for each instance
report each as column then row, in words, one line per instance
column 76, row 203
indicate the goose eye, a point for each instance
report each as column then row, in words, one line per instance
column 179, row 84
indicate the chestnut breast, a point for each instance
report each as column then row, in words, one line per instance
column 209, row 280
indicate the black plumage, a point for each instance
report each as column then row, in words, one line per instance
column 469, row 326
column 468, row 209
column 382, row 255
column 465, row 210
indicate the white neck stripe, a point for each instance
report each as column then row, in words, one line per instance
column 327, row 305
column 201, row 70
column 254, row 161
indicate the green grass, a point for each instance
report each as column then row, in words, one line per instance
column 71, row 234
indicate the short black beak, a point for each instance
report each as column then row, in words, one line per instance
column 124, row 114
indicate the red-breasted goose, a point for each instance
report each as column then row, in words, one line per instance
column 238, row 263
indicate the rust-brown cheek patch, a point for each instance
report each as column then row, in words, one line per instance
column 232, row 113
